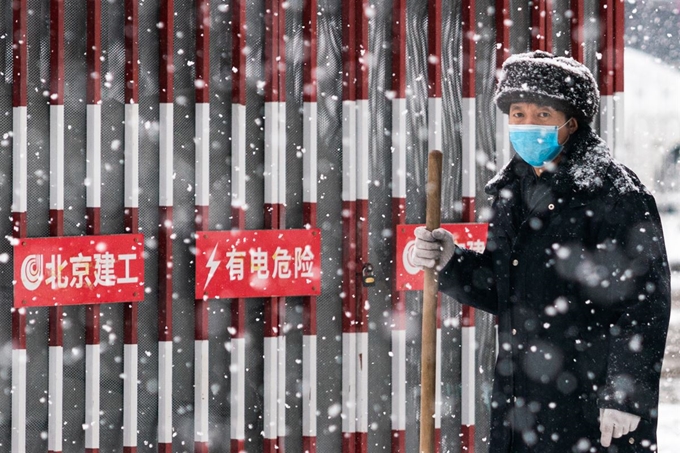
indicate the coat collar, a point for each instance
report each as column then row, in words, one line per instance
column 586, row 167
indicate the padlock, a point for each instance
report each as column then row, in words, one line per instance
column 367, row 275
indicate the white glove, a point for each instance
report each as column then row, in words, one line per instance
column 615, row 424
column 433, row 247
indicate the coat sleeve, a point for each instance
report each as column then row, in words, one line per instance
column 468, row 277
column 633, row 289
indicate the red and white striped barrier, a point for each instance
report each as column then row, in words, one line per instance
column 362, row 225
column 202, row 142
column 309, row 199
column 399, row 113
column 349, row 233
column 166, row 71
column 238, row 206
column 19, row 208
column 55, row 414
column 469, row 172
column 94, row 128
column 274, row 214
column 131, row 185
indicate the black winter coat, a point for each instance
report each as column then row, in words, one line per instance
column 581, row 286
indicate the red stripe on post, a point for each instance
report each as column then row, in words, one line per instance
column 202, row 51
column 619, row 18
column 502, row 31
column 349, row 251
column 93, row 221
column 281, row 49
column 269, row 446
column 362, row 53
column 167, row 448
column 56, row 222
column 19, row 224
column 468, row 209
column 166, row 44
column 131, row 51
column 93, row 52
column 467, row 439
column 56, row 328
column 577, row 30
column 434, row 63
column 237, row 446
column 57, row 52
column 607, row 48
column 399, row 48
column 309, row 55
column 92, row 324
column 349, row 18
column 468, row 316
column 165, row 273
column 18, row 328
column 129, row 449
column 201, row 320
column 362, row 260
column 92, row 450
column 271, row 317
column 468, row 24
column 238, row 51
column 271, row 51
column 308, row 444
column 200, row 447
column 130, row 315
column 349, row 442
column 201, row 218
column 19, row 53
column 131, row 220
column 398, row 441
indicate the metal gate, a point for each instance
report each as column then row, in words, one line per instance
column 173, row 117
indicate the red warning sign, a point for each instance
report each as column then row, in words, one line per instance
column 409, row 276
column 73, row 270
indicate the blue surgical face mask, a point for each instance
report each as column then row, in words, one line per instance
column 536, row 144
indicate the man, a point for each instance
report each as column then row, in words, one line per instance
column 575, row 268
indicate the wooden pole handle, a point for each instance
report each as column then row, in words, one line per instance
column 428, row 358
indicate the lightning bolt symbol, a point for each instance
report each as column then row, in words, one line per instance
column 212, row 265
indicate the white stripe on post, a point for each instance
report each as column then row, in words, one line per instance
column 202, row 154
column 349, row 347
column 56, row 398
column 607, row 110
column 19, row 159
column 469, row 150
column 270, row 387
column 238, row 389
column 130, row 395
column 503, row 153
column 57, row 157
column 19, row 400
column 92, row 392
column 399, row 380
column 434, row 119
column 201, row 391
column 165, row 392
column 165, row 172
column 309, row 158
column 271, row 155
column 309, row 386
column 93, row 181
column 238, row 156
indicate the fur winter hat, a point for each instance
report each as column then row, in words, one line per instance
column 561, row 82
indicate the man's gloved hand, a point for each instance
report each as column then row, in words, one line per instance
column 615, row 424
column 432, row 247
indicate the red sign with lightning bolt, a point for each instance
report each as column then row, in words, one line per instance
column 258, row 263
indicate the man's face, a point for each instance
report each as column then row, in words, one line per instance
column 530, row 113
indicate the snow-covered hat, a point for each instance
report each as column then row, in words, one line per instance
column 541, row 76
